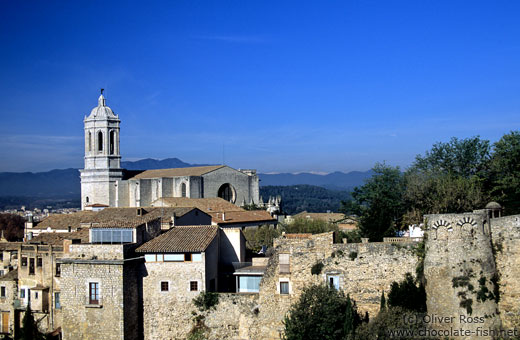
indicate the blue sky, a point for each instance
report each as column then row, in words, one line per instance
column 280, row 86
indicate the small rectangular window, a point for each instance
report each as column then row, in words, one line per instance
column 22, row 293
column 187, row 257
column 24, row 261
column 93, row 293
column 174, row 257
column 31, row 266
column 164, row 286
column 284, row 287
column 284, row 263
column 57, row 303
column 149, row 257
column 58, row 269
column 2, row 291
column 194, row 286
column 39, row 262
column 36, row 295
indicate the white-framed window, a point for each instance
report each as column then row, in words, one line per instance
column 284, row 286
column 94, row 292
column 333, row 281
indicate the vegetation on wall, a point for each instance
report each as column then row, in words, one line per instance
column 205, row 300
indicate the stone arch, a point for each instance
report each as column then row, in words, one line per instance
column 227, row 192
column 183, row 189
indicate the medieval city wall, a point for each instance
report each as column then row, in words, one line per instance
column 260, row 316
column 506, row 245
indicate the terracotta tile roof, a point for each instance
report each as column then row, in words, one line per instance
column 208, row 205
column 63, row 221
column 176, row 172
column 181, row 239
column 118, row 217
column 11, row 276
column 326, row 217
column 242, row 217
column 56, row 239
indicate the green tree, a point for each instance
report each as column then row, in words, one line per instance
column 12, row 226
column 29, row 330
column 408, row 294
column 320, row 314
column 349, row 325
column 459, row 157
column 303, row 225
column 448, row 178
column 504, row 178
column 379, row 203
column 382, row 304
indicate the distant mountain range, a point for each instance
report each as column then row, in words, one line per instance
column 66, row 182
column 335, row 180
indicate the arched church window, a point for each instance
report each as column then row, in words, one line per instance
column 227, row 192
column 100, row 141
column 86, row 199
column 183, row 190
column 89, row 141
column 112, row 141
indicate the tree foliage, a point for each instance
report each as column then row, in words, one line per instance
column 12, row 226
column 261, row 236
column 321, row 312
column 29, row 330
column 379, row 203
column 408, row 294
column 504, row 172
column 304, row 225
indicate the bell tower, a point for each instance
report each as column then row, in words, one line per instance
column 102, row 157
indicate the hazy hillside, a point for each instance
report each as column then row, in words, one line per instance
column 297, row 198
column 335, row 180
column 299, row 191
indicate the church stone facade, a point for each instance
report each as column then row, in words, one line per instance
column 103, row 181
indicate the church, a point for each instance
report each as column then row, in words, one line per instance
column 104, row 182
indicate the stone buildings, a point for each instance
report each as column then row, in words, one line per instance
column 103, row 181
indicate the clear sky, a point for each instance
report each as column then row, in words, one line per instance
column 280, row 86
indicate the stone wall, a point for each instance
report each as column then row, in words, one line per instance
column 260, row 316
column 167, row 314
column 506, row 245
column 241, row 183
column 458, row 265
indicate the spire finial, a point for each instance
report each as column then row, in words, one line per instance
column 101, row 100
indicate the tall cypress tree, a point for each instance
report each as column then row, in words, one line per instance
column 29, row 329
